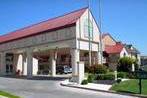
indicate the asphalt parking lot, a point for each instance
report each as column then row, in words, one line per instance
column 49, row 88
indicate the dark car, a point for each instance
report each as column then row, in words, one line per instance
column 63, row 69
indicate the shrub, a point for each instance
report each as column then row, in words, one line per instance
column 122, row 74
column 118, row 80
column 131, row 75
column 125, row 64
column 98, row 69
column 105, row 77
column 84, row 82
column 87, row 69
column 91, row 78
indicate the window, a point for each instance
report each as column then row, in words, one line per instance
column 124, row 54
column 88, row 28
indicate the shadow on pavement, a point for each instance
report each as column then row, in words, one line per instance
column 56, row 78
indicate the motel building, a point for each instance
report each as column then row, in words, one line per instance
column 60, row 41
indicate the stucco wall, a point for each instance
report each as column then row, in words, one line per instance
column 80, row 27
column 48, row 37
column 124, row 52
column 82, row 39
column 107, row 40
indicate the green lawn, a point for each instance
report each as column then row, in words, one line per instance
column 130, row 86
column 8, row 95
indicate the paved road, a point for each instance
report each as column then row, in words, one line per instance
column 48, row 89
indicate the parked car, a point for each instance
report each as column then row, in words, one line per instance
column 63, row 69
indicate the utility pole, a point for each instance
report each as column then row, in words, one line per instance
column 89, row 35
column 100, row 24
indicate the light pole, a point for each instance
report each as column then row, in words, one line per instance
column 100, row 24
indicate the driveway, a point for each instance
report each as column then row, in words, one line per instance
column 49, row 89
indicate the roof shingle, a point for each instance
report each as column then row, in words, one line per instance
column 114, row 48
column 54, row 23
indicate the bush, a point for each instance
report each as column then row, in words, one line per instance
column 98, row 69
column 84, row 82
column 86, row 69
column 105, row 77
column 91, row 78
column 122, row 74
column 125, row 64
column 118, row 80
column 131, row 75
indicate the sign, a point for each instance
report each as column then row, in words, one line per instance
column 141, row 74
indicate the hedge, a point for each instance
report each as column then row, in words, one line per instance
column 105, row 77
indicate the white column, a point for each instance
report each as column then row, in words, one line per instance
column 35, row 66
column 16, row 62
column 3, row 64
column 74, row 61
column 24, row 64
column 29, row 62
column 53, row 62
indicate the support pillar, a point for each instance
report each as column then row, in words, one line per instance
column 53, row 62
column 29, row 62
column 74, row 61
column 3, row 64
column 16, row 62
column 24, row 65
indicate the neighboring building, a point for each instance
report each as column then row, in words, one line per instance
column 115, row 50
column 144, row 60
column 108, row 40
column 133, row 53
column 63, row 40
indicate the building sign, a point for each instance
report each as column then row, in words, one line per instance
column 88, row 28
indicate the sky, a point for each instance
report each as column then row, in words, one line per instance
column 125, row 20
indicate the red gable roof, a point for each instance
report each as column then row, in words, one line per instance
column 114, row 48
column 48, row 25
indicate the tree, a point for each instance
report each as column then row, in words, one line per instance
column 125, row 64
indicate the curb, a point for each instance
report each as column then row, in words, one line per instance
column 114, row 92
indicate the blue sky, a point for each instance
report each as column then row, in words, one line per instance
column 126, row 20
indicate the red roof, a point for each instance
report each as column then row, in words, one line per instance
column 48, row 25
column 114, row 48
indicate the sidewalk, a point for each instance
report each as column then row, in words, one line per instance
column 90, row 86
column 98, row 87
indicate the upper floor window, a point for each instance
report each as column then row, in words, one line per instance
column 124, row 54
column 88, row 28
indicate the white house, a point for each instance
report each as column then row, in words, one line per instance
column 64, row 40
